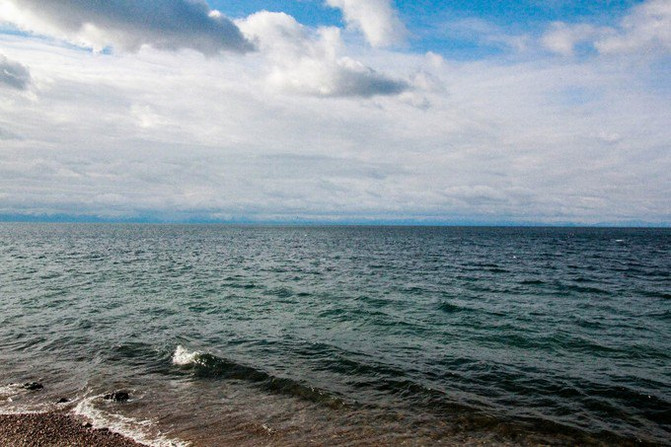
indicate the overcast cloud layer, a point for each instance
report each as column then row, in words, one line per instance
column 189, row 114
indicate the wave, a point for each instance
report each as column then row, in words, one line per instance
column 532, row 282
column 210, row 366
column 10, row 401
column 142, row 431
column 183, row 357
column 449, row 307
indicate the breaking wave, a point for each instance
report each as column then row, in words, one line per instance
column 209, row 366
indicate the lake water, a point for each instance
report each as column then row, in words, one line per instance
column 253, row 335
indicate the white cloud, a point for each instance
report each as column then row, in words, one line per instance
column 13, row 74
column 296, row 58
column 309, row 62
column 562, row 38
column 498, row 142
column 163, row 24
column 647, row 29
column 376, row 19
column 180, row 135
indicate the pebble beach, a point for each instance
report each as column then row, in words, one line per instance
column 55, row 429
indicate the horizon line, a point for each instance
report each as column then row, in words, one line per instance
column 397, row 222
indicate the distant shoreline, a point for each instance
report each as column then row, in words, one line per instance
column 69, row 220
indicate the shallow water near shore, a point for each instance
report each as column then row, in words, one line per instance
column 258, row 335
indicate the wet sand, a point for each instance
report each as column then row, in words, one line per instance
column 55, row 430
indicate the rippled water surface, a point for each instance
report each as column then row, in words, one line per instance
column 342, row 335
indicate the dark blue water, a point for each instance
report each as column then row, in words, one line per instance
column 343, row 335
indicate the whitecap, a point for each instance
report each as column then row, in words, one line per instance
column 183, row 356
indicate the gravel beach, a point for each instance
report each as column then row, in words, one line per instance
column 55, row 430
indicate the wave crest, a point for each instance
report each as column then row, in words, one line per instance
column 210, row 366
column 183, row 356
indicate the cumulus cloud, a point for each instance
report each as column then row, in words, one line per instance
column 309, row 62
column 646, row 28
column 13, row 74
column 163, row 24
column 376, row 19
column 300, row 59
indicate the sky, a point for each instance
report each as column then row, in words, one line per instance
column 550, row 112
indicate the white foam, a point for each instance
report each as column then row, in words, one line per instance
column 9, row 406
column 9, row 390
column 19, row 410
column 12, row 401
column 142, row 431
column 183, row 356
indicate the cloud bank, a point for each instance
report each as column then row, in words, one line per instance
column 163, row 24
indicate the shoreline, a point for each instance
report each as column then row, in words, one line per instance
column 55, row 429
column 61, row 428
